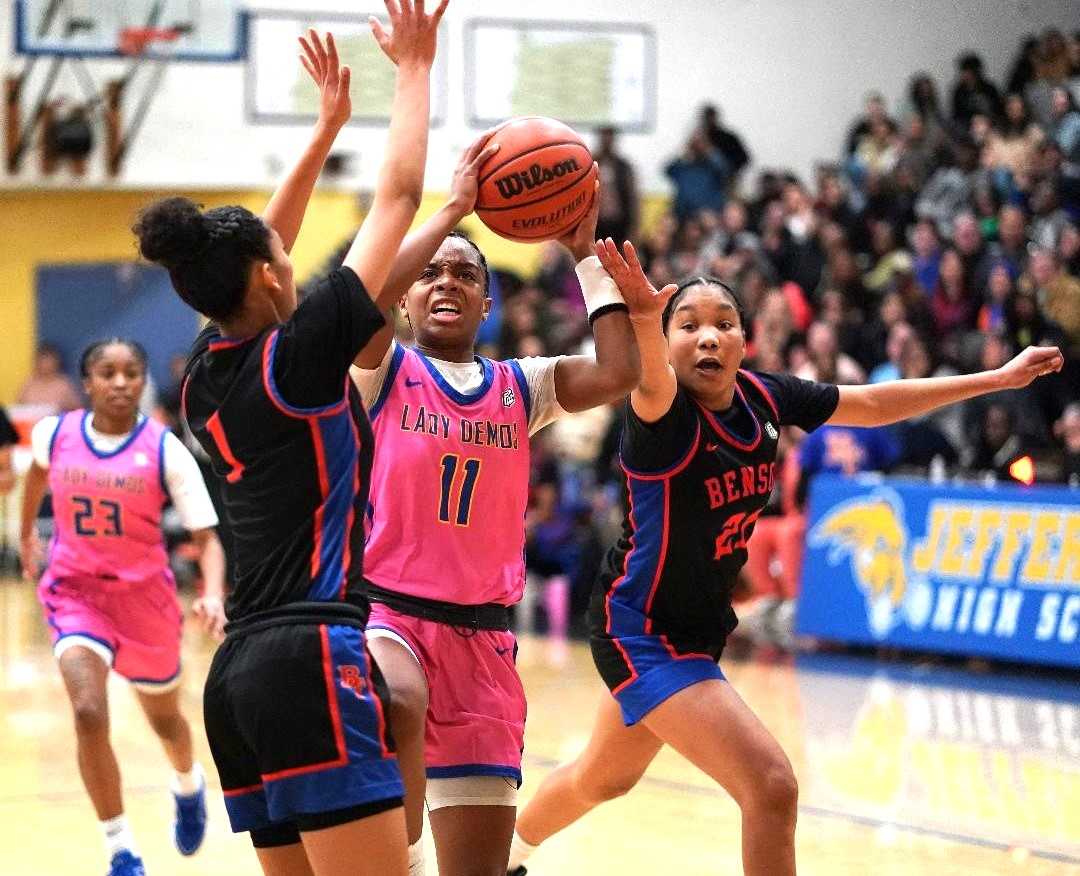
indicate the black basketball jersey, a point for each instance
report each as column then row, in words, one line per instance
column 286, row 431
column 697, row 482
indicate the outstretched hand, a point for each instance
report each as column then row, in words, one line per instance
column 1033, row 362
column 321, row 61
column 464, row 187
column 641, row 297
column 413, row 32
column 579, row 240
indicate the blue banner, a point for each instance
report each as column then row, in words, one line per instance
column 981, row 571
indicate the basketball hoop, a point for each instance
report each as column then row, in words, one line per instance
column 134, row 40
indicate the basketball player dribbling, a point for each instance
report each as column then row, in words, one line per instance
column 108, row 593
column 698, row 450
column 449, row 491
column 295, row 709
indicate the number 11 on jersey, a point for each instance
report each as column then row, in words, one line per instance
column 470, row 470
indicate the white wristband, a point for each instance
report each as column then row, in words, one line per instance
column 597, row 287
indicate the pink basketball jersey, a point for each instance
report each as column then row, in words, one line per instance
column 107, row 506
column 450, row 484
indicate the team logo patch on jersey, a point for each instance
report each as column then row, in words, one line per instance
column 509, row 398
column 770, row 430
column 141, row 458
column 351, row 678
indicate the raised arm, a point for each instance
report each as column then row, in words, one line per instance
column 285, row 212
column 583, row 382
column 418, row 248
column 655, row 392
column 411, row 46
column 880, row 404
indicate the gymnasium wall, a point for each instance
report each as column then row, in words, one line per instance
column 789, row 75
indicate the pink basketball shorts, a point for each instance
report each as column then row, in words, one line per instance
column 476, row 702
column 134, row 627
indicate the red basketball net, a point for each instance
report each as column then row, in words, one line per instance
column 134, row 40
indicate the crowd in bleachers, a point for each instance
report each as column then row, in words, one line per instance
column 944, row 238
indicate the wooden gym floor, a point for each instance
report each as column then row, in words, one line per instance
column 903, row 770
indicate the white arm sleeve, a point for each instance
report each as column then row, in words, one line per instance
column 370, row 380
column 184, row 481
column 539, row 374
column 41, row 440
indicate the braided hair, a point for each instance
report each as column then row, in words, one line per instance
column 693, row 282
column 208, row 254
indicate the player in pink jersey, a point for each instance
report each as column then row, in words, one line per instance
column 107, row 591
column 448, row 498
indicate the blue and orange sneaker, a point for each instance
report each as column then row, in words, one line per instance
column 126, row 863
column 189, row 829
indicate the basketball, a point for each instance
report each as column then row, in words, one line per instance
column 539, row 184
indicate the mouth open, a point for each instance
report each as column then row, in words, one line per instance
column 446, row 312
column 709, row 366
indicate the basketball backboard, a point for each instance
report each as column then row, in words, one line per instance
column 181, row 30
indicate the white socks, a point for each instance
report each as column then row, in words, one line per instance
column 186, row 784
column 118, row 836
column 416, row 858
column 519, row 851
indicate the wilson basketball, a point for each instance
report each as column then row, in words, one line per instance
column 539, row 184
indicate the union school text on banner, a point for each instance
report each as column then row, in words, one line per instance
column 987, row 571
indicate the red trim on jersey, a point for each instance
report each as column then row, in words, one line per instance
column 346, row 557
column 727, row 436
column 324, row 491
column 670, row 472
column 386, row 752
column 226, row 343
column 615, row 586
column 217, row 432
column 335, row 720
column 660, row 559
column 764, row 390
column 280, row 403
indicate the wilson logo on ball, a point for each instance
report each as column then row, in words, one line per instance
column 514, row 184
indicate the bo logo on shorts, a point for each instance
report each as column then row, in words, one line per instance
column 353, row 680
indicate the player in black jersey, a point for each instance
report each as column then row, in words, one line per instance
column 294, row 707
column 698, row 449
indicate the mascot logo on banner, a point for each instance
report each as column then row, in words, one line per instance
column 870, row 532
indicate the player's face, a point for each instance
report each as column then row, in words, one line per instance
column 115, row 382
column 447, row 303
column 706, row 345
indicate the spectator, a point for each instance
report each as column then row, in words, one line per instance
column 996, row 444
column 618, row 191
column 900, row 336
column 999, row 289
column 48, row 385
column 1065, row 124
column 1067, row 430
column 927, row 246
column 1023, row 68
column 725, row 140
column 875, row 112
column 948, row 191
column 701, row 176
column 1011, row 246
column 1056, row 293
column 825, row 362
column 1025, row 418
column 973, row 93
column 1013, row 149
column 951, row 302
